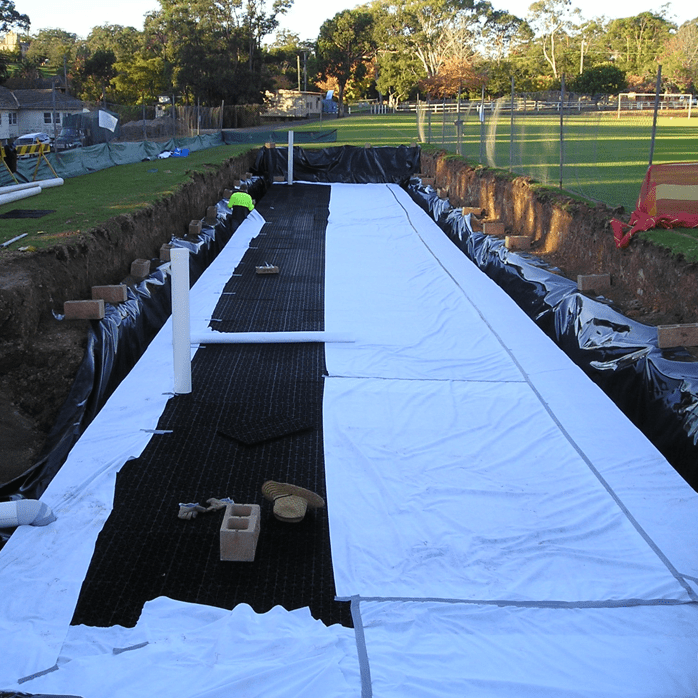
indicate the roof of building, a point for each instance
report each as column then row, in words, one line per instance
column 45, row 99
column 7, row 99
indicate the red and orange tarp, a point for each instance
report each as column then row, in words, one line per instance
column 668, row 199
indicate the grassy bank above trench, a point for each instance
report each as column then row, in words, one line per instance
column 88, row 200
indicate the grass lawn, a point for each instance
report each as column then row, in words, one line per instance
column 85, row 201
column 605, row 159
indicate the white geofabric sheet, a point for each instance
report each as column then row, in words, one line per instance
column 42, row 569
column 502, row 529
column 501, row 526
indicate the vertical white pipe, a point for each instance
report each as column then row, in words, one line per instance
column 290, row 157
column 181, row 330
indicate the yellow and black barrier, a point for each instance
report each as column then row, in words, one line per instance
column 9, row 161
column 38, row 149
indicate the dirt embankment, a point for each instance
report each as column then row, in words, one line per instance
column 649, row 284
column 39, row 354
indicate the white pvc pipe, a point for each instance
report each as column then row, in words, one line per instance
column 22, row 512
column 17, row 195
column 181, row 330
column 269, row 337
column 18, row 187
column 290, row 157
column 48, row 183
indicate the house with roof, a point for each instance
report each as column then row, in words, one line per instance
column 28, row 111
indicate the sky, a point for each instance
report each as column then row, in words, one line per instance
column 304, row 19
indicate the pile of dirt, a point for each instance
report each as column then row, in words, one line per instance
column 39, row 354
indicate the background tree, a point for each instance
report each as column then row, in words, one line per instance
column 11, row 19
column 345, row 46
column 54, row 49
column 607, row 79
column 96, row 74
column 680, row 57
column 554, row 22
column 635, row 43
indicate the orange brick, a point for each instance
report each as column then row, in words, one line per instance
column 84, row 310
column 110, row 294
column 518, row 242
column 593, row 282
column 677, row 335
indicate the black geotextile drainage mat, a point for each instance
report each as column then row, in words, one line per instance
column 146, row 551
column 293, row 239
column 26, row 213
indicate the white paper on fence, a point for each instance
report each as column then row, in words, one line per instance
column 42, row 569
column 445, row 650
column 205, row 652
column 467, row 490
column 384, row 288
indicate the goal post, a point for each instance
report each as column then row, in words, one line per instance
column 633, row 102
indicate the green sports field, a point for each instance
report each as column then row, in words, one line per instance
column 605, row 159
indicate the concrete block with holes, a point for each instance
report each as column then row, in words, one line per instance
column 518, row 242
column 212, row 215
column 240, row 532
column 493, row 228
column 140, row 268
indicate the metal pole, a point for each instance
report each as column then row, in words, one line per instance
column 511, row 129
column 482, row 126
column 443, row 121
column 53, row 111
column 562, row 126
column 459, row 128
column 656, row 109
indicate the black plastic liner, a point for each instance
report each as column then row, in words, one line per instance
column 347, row 164
column 657, row 389
column 114, row 345
column 325, row 136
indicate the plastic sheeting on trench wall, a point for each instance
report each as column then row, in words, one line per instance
column 342, row 164
column 114, row 345
column 656, row 389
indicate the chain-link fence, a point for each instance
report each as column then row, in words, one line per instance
column 158, row 121
column 598, row 148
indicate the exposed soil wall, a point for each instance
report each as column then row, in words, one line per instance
column 39, row 354
column 649, row 283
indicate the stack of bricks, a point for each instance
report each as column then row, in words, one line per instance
column 94, row 309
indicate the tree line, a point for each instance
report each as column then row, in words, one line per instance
column 232, row 51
